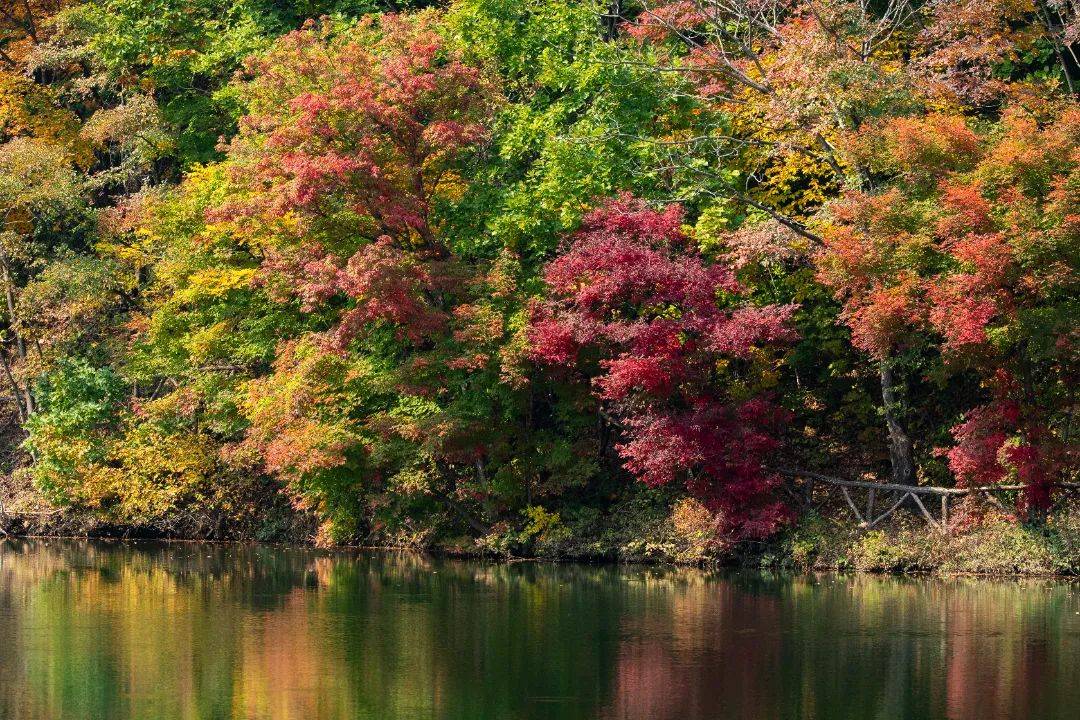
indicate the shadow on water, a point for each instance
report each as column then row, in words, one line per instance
column 157, row 630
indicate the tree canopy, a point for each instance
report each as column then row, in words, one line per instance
column 481, row 266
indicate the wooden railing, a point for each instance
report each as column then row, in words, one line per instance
column 898, row 494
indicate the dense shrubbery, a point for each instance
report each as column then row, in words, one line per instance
column 471, row 269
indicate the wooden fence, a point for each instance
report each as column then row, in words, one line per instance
column 865, row 499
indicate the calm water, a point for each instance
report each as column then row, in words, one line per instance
column 111, row 631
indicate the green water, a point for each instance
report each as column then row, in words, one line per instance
column 163, row 631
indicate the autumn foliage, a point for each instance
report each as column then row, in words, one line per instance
column 971, row 252
column 672, row 351
column 522, row 271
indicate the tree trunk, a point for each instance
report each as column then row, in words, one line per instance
column 9, row 298
column 611, row 20
column 17, row 393
column 446, row 495
column 900, row 451
column 20, row 345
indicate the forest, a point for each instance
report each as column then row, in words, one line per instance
column 559, row 277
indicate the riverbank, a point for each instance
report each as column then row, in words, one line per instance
column 828, row 540
column 645, row 526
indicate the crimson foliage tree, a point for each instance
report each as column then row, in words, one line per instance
column 677, row 360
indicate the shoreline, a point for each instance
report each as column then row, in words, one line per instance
column 641, row 527
column 737, row 563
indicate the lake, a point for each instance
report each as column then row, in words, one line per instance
column 184, row 630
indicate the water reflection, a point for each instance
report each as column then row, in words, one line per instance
column 195, row 631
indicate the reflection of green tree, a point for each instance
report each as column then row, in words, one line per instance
column 464, row 640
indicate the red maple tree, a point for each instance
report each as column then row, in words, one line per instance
column 673, row 352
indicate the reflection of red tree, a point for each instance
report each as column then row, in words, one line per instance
column 646, row 684
column 288, row 669
column 706, row 650
column 994, row 665
column 1034, row 673
column 963, row 667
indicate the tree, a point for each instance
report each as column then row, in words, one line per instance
column 408, row 271
column 673, row 356
column 974, row 242
column 354, row 142
column 350, row 142
column 36, row 180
